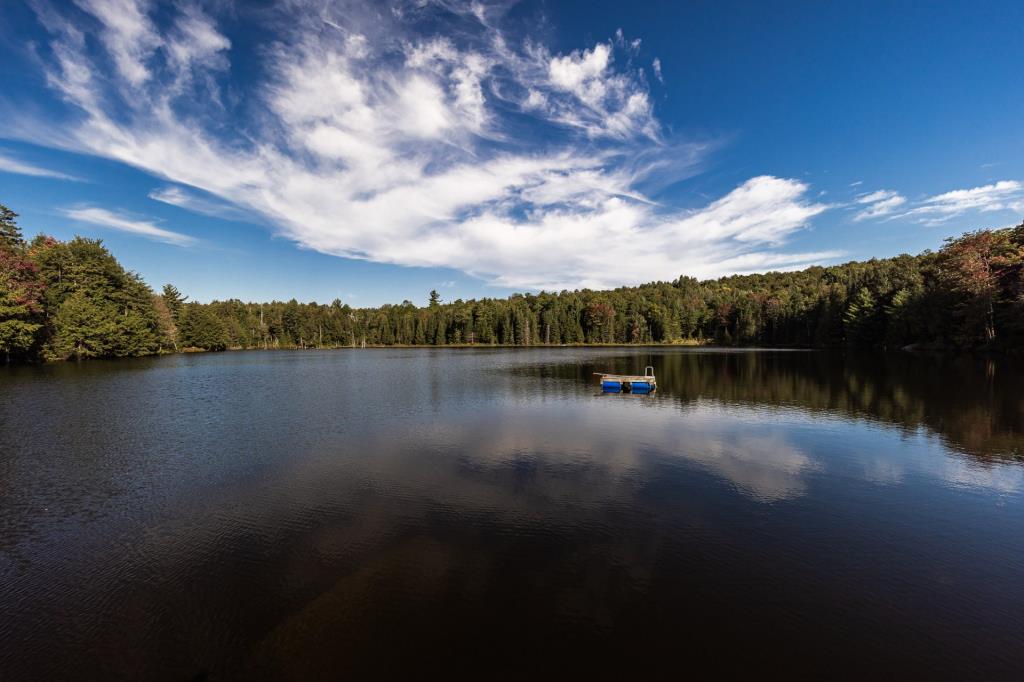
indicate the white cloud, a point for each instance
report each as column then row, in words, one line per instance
column 879, row 204
column 581, row 73
column 9, row 164
column 115, row 221
column 373, row 139
column 195, row 40
column 586, row 92
column 195, row 47
column 464, row 73
column 873, row 197
column 176, row 196
column 624, row 242
column 127, row 33
column 999, row 196
column 656, row 65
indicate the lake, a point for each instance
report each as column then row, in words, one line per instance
column 482, row 513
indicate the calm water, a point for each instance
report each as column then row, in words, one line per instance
column 407, row 513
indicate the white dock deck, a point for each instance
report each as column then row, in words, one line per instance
column 638, row 378
column 629, row 379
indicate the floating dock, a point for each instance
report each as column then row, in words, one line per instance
column 629, row 383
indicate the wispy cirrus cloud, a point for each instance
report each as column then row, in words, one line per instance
column 176, row 196
column 879, row 204
column 998, row 196
column 9, row 164
column 375, row 135
column 123, row 223
column 1004, row 195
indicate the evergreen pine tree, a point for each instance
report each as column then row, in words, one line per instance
column 83, row 329
column 901, row 327
column 862, row 320
column 173, row 300
column 10, row 233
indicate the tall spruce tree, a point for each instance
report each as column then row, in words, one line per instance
column 173, row 300
column 10, row 233
column 862, row 321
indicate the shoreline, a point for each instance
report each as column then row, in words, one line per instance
column 915, row 349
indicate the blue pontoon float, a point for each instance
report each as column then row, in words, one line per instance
column 627, row 383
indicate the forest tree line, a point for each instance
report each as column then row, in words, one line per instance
column 61, row 300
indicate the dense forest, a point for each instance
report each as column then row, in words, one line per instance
column 61, row 300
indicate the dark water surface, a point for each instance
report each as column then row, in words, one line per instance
column 363, row 514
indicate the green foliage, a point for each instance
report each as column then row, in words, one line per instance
column 83, row 329
column 10, row 233
column 20, row 309
column 864, row 320
column 21, row 312
column 878, row 303
column 201, row 328
column 903, row 318
column 94, row 308
column 173, row 300
column 89, row 327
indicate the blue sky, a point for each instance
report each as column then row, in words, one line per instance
column 372, row 152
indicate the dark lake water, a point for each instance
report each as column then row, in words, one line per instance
column 423, row 514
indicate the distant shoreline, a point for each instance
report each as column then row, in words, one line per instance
column 917, row 348
column 74, row 300
column 676, row 344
